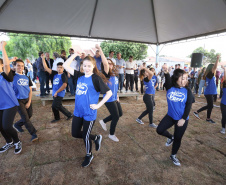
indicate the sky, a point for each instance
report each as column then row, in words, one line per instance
column 178, row 50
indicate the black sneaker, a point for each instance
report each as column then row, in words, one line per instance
column 210, row 121
column 6, row 147
column 196, row 114
column 18, row 128
column 18, row 147
column 169, row 141
column 175, row 160
column 55, row 120
column 97, row 142
column 71, row 116
column 88, row 159
column 34, row 137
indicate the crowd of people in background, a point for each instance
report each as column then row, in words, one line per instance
column 85, row 77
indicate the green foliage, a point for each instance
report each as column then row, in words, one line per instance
column 209, row 56
column 27, row 46
column 137, row 50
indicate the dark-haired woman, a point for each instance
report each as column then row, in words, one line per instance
column 223, row 103
column 146, row 76
column 89, row 86
column 113, row 105
column 210, row 90
column 179, row 100
column 8, row 105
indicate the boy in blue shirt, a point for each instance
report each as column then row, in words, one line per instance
column 58, row 91
column 22, row 86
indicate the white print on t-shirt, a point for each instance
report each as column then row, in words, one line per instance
column 56, row 81
column 22, row 82
column 153, row 82
column 116, row 80
column 81, row 89
column 176, row 96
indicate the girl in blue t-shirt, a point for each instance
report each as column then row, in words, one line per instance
column 210, row 91
column 113, row 105
column 89, row 85
column 146, row 76
column 223, row 103
column 8, row 105
column 179, row 100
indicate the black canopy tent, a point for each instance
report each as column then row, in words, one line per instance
column 147, row 21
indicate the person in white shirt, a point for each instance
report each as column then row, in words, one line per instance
column 111, row 56
column 157, row 72
column 130, row 67
column 57, row 59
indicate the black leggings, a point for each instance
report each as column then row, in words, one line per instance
column 115, row 110
column 165, row 124
column 77, row 132
column 25, row 115
column 223, row 112
column 148, row 100
column 6, row 125
column 209, row 106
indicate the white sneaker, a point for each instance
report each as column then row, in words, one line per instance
column 113, row 137
column 153, row 125
column 175, row 160
column 103, row 125
column 139, row 121
column 223, row 131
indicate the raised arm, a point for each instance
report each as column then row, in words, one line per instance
column 150, row 73
column 104, row 60
column 6, row 63
column 45, row 65
column 215, row 65
column 168, row 83
column 67, row 64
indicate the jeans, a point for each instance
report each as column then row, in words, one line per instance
column 121, row 80
column 42, row 80
column 48, row 77
column 71, row 84
column 201, row 85
column 136, row 82
column 30, row 74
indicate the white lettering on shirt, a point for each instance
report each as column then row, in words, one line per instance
column 22, row 82
column 81, row 89
column 176, row 96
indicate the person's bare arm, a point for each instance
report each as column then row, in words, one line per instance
column 104, row 60
column 106, row 97
column 28, row 104
column 215, row 65
column 67, row 64
column 45, row 65
column 6, row 63
column 60, row 89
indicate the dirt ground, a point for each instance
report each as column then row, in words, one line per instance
column 140, row 157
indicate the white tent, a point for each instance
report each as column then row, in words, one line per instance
column 146, row 21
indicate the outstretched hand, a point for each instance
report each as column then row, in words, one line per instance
column 3, row 43
column 97, row 47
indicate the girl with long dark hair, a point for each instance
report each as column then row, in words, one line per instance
column 89, row 85
column 179, row 100
column 210, row 90
column 146, row 76
column 113, row 105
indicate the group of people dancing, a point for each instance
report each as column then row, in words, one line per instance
column 15, row 88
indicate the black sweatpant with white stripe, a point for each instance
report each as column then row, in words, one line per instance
column 77, row 132
column 165, row 124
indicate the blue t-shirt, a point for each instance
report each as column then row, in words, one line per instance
column 113, row 85
column 176, row 99
column 211, row 87
column 8, row 98
column 223, row 99
column 58, row 81
column 98, row 62
column 21, row 86
column 154, row 81
column 87, row 92
column 149, row 88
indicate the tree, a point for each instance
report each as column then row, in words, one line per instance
column 209, row 56
column 137, row 50
column 27, row 46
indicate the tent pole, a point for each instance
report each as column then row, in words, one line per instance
column 157, row 54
